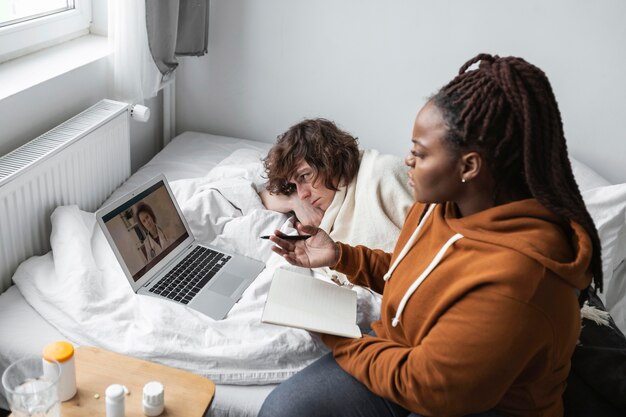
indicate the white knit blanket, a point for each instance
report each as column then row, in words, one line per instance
column 81, row 290
column 371, row 209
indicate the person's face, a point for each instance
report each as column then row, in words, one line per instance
column 433, row 167
column 315, row 193
column 147, row 221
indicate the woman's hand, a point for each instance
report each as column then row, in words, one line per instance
column 318, row 250
column 276, row 202
column 304, row 211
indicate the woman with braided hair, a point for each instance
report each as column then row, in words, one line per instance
column 479, row 313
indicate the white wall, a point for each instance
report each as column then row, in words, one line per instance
column 38, row 109
column 30, row 113
column 370, row 64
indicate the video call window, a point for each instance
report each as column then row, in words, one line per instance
column 146, row 229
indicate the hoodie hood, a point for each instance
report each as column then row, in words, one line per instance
column 526, row 226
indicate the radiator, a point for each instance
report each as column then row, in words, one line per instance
column 81, row 161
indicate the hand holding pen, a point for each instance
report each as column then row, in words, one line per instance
column 288, row 237
column 311, row 248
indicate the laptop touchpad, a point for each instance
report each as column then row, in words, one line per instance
column 226, row 284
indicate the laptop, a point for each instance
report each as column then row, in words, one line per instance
column 161, row 258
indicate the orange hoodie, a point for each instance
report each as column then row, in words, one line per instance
column 480, row 313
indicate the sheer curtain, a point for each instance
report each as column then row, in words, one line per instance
column 146, row 36
column 135, row 75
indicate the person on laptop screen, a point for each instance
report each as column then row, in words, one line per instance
column 145, row 229
column 155, row 239
column 480, row 313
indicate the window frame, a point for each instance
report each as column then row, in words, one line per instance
column 25, row 37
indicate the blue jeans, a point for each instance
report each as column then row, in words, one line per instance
column 323, row 389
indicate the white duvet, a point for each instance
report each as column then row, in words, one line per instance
column 80, row 288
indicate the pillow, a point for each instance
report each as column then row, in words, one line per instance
column 607, row 207
column 586, row 177
column 621, row 249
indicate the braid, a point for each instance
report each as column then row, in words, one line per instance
column 507, row 110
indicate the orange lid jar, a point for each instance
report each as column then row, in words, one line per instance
column 58, row 351
column 63, row 353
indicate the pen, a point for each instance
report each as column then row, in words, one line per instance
column 290, row 237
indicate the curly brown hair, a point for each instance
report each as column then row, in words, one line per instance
column 332, row 153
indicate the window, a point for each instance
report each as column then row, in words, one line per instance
column 29, row 25
column 14, row 11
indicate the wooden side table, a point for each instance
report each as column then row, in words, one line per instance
column 186, row 394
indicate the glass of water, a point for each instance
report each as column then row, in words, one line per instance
column 31, row 392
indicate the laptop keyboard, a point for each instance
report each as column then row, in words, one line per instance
column 185, row 280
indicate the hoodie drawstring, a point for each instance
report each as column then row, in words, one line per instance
column 409, row 244
column 423, row 276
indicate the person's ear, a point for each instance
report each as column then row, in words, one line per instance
column 471, row 165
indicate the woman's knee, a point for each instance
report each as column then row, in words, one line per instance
column 307, row 392
column 283, row 403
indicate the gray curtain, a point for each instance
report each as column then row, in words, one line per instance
column 176, row 27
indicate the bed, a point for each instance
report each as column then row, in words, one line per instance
column 215, row 179
column 79, row 290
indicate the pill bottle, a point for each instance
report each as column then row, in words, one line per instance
column 115, row 396
column 153, row 399
column 63, row 353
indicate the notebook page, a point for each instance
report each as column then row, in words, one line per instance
column 305, row 302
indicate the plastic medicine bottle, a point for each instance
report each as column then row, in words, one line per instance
column 115, row 396
column 63, row 353
column 153, row 399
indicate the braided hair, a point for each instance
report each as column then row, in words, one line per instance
column 506, row 110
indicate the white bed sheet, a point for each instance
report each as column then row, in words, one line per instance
column 188, row 155
column 24, row 332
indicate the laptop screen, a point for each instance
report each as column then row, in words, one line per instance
column 145, row 229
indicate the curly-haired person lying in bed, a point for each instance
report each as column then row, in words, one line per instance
column 305, row 167
column 317, row 171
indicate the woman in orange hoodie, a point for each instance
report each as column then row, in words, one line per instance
column 480, row 308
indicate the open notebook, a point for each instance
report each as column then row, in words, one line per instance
column 305, row 302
